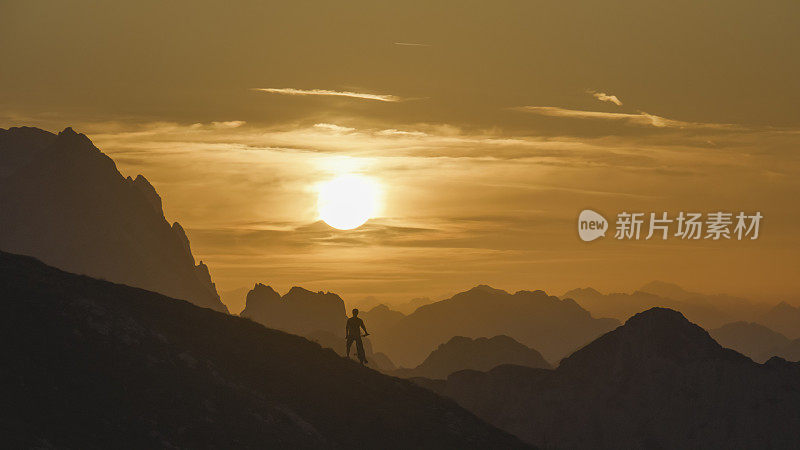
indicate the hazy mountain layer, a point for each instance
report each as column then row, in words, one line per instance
column 756, row 341
column 709, row 311
column 783, row 318
column 91, row 364
column 299, row 311
column 553, row 326
column 460, row 353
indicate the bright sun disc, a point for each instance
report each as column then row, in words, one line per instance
column 348, row 201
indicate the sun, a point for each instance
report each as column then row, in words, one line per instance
column 348, row 201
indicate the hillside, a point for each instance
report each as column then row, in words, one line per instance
column 92, row 364
column 65, row 202
column 658, row 381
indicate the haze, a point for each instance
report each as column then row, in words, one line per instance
column 489, row 127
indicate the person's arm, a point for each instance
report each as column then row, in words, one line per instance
column 364, row 327
column 346, row 330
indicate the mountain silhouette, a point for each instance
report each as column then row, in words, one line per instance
column 318, row 316
column 553, row 326
column 710, row 311
column 412, row 305
column 460, row 353
column 65, row 202
column 381, row 317
column 756, row 341
column 667, row 290
column 783, row 318
column 299, row 311
column 92, row 364
column 658, row 381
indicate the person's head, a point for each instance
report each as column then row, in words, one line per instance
column 355, row 312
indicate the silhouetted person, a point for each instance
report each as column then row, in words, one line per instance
column 353, row 329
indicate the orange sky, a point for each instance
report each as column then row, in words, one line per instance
column 488, row 126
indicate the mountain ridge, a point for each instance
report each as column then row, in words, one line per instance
column 658, row 381
column 66, row 203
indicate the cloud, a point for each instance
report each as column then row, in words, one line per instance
column 603, row 97
column 640, row 118
column 394, row 132
column 411, row 44
column 329, row 93
column 334, row 128
column 228, row 124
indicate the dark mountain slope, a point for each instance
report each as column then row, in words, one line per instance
column 659, row 381
column 91, row 364
column 460, row 353
column 65, row 202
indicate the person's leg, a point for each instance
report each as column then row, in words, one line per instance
column 360, row 349
column 349, row 343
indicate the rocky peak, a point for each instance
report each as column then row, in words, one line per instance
column 183, row 240
column 656, row 337
column 149, row 192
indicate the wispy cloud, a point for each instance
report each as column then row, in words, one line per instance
column 228, row 124
column 640, row 118
column 394, row 132
column 333, row 127
column 412, row 44
column 603, row 97
column 330, row 93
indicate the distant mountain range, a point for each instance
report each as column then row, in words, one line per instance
column 299, row 311
column 757, row 341
column 783, row 318
column 92, row 364
column 381, row 318
column 461, row 353
column 552, row 326
column 318, row 316
column 64, row 201
column 659, row 381
column 408, row 307
column 709, row 311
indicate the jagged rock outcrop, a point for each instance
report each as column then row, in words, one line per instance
column 299, row 311
column 149, row 192
column 65, row 202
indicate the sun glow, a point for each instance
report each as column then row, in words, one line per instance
column 348, row 201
